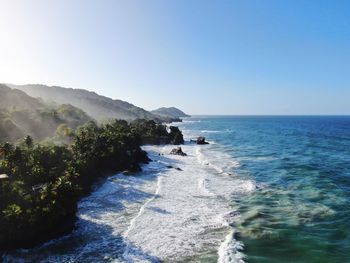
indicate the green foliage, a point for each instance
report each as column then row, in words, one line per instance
column 12, row 211
column 46, row 180
column 64, row 133
column 28, row 142
column 151, row 132
column 42, row 189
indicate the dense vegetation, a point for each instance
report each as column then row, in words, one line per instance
column 45, row 181
column 153, row 133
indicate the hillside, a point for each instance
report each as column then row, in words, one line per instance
column 170, row 112
column 97, row 106
column 22, row 115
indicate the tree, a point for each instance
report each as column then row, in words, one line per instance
column 5, row 149
column 28, row 142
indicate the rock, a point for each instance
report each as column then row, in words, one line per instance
column 176, row 168
column 201, row 140
column 176, row 136
column 178, row 151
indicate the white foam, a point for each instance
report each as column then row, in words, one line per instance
column 221, row 162
column 191, row 121
column 216, row 131
column 129, row 251
column 162, row 214
column 230, row 250
column 208, row 131
column 202, row 186
column 182, row 221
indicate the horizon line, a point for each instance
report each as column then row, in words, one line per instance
column 268, row 115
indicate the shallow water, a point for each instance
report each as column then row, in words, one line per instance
column 267, row 189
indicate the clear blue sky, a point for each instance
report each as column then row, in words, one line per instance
column 205, row 57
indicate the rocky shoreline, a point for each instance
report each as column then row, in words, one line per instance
column 65, row 225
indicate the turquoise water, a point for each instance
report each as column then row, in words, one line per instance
column 300, row 211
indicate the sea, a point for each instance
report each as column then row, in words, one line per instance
column 266, row 189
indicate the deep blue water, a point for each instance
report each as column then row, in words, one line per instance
column 300, row 211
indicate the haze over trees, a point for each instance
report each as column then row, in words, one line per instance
column 22, row 115
column 97, row 106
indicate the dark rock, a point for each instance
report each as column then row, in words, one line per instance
column 201, row 140
column 178, row 151
column 176, row 136
column 172, row 167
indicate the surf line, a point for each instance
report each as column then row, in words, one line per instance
column 128, row 250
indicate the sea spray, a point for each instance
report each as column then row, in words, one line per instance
column 230, row 250
column 182, row 221
column 130, row 252
column 161, row 214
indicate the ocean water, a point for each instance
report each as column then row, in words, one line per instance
column 266, row 189
column 300, row 211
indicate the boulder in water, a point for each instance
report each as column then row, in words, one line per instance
column 178, row 151
column 201, row 140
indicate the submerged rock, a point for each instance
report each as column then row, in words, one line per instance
column 201, row 140
column 178, row 151
column 176, row 168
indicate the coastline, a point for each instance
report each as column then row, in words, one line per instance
column 136, row 213
column 119, row 158
column 183, row 214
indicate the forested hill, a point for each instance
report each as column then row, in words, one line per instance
column 170, row 112
column 41, row 183
column 22, row 115
column 97, row 106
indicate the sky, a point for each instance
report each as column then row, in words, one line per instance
column 205, row 57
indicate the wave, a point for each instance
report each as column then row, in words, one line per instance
column 208, row 131
column 221, row 162
column 161, row 214
column 182, row 220
column 230, row 250
column 130, row 252
column 216, row 131
column 190, row 121
column 202, row 186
